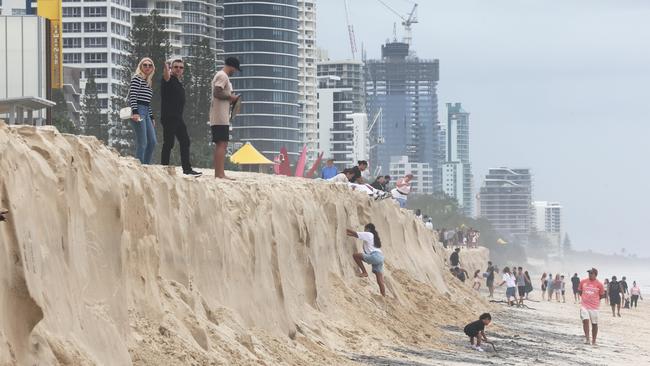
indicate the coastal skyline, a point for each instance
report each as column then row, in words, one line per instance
column 559, row 89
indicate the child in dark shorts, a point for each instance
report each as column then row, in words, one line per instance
column 476, row 331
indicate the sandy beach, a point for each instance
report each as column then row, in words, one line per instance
column 104, row 261
column 548, row 333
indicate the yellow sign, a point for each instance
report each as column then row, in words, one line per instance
column 51, row 9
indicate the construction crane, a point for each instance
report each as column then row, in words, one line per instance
column 407, row 20
column 353, row 42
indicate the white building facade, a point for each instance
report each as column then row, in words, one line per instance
column 95, row 39
column 457, row 179
column 422, row 182
column 307, row 82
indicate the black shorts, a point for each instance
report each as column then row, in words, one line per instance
column 220, row 133
column 522, row 291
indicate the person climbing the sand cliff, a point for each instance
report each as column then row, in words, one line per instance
column 476, row 331
column 371, row 254
column 454, row 259
column 591, row 291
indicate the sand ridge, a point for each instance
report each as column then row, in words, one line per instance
column 108, row 262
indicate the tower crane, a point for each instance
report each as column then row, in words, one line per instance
column 353, row 42
column 407, row 20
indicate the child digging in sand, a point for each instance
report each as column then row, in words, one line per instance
column 476, row 331
column 371, row 254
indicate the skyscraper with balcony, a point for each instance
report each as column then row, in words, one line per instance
column 506, row 201
column 202, row 20
column 263, row 35
column 307, row 75
column 404, row 87
column 457, row 170
column 95, row 39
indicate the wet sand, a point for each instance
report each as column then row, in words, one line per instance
column 548, row 333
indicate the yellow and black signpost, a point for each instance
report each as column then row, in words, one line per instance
column 51, row 10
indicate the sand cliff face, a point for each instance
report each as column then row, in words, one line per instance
column 107, row 262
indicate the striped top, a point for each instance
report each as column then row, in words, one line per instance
column 139, row 93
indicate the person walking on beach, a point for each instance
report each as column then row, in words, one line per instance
column 557, row 286
column 142, row 121
column 635, row 291
column 511, row 286
column 615, row 291
column 550, row 286
column 329, row 170
column 624, row 292
column 591, row 291
column 172, row 96
column 489, row 281
column 371, row 254
column 544, row 284
column 476, row 331
column 606, row 284
column 521, row 285
column 222, row 98
column 575, row 282
column 529, row 284
column 562, row 288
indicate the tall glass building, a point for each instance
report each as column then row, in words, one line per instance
column 263, row 35
column 405, row 89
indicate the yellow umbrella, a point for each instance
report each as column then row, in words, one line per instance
column 248, row 155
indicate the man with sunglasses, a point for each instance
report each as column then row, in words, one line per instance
column 173, row 103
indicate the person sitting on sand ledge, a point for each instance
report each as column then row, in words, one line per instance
column 371, row 254
column 3, row 212
column 476, row 331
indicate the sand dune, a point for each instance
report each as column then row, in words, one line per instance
column 107, row 262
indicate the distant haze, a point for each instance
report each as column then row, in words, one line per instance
column 561, row 87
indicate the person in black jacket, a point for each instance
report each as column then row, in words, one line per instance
column 171, row 115
column 379, row 183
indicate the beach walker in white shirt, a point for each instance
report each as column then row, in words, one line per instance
column 371, row 254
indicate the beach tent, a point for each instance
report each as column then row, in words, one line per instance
column 248, row 156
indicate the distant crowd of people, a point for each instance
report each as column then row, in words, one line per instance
column 461, row 236
column 587, row 292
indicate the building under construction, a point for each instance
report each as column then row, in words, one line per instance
column 404, row 88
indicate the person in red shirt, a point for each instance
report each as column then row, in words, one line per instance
column 591, row 291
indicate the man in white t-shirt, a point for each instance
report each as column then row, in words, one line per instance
column 222, row 98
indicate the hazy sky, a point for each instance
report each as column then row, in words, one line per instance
column 561, row 87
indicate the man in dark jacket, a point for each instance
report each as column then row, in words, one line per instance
column 454, row 259
column 172, row 105
column 379, row 183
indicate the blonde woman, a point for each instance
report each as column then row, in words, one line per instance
column 140, row 94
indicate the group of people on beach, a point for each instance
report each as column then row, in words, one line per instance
column 619, row 294
column 461, row 236
column 172, row 102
